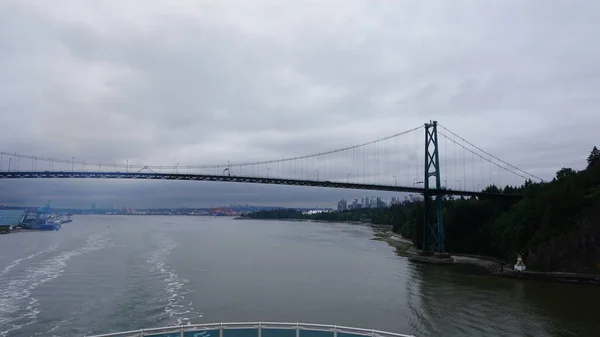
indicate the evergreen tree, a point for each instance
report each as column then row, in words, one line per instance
column 565, row 172
column 594, row 157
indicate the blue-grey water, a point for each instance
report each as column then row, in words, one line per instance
column 102, row 274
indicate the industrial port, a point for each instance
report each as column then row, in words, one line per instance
column 40, row 219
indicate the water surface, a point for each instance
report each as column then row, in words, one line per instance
column 102, row 274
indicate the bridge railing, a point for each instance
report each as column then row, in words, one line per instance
column 255, row 329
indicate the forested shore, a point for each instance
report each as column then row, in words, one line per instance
column 555, row 225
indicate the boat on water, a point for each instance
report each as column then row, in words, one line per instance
column 50, row 225
column 255, row 329
column 44, row 224
column 44, row 220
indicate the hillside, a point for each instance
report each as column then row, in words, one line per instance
column 556, row 226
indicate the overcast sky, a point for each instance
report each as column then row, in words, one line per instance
column 204, row 82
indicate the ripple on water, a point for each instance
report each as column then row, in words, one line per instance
column 18, row 307
column 176, row 307
column 16, row 262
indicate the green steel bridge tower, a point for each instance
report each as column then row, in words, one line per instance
column 433, row 229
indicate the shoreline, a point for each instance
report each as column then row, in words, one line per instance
column 23, row 230
column 493, row 266
column 351, row 222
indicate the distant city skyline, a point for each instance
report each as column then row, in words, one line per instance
column 375, row 201
column 156, row 194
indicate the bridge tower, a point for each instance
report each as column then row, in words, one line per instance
column 433, row 230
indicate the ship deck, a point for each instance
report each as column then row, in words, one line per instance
column 255, row 329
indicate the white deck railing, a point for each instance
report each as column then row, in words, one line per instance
column 260, row 327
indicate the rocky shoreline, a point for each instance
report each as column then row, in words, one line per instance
column 494, row 266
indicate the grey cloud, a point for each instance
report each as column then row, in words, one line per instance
column 196, row 82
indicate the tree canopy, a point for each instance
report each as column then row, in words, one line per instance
column 594, row 157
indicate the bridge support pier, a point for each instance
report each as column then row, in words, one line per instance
column 433, row 229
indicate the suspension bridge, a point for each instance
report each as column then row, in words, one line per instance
column 397, row 163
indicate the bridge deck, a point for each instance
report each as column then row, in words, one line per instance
column 240, row 179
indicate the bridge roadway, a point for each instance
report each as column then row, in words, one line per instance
column 240, row 179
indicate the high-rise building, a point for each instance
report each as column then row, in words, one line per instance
column 355, row 204
column 342, row 205
column 414, row 197
column 93, row 206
